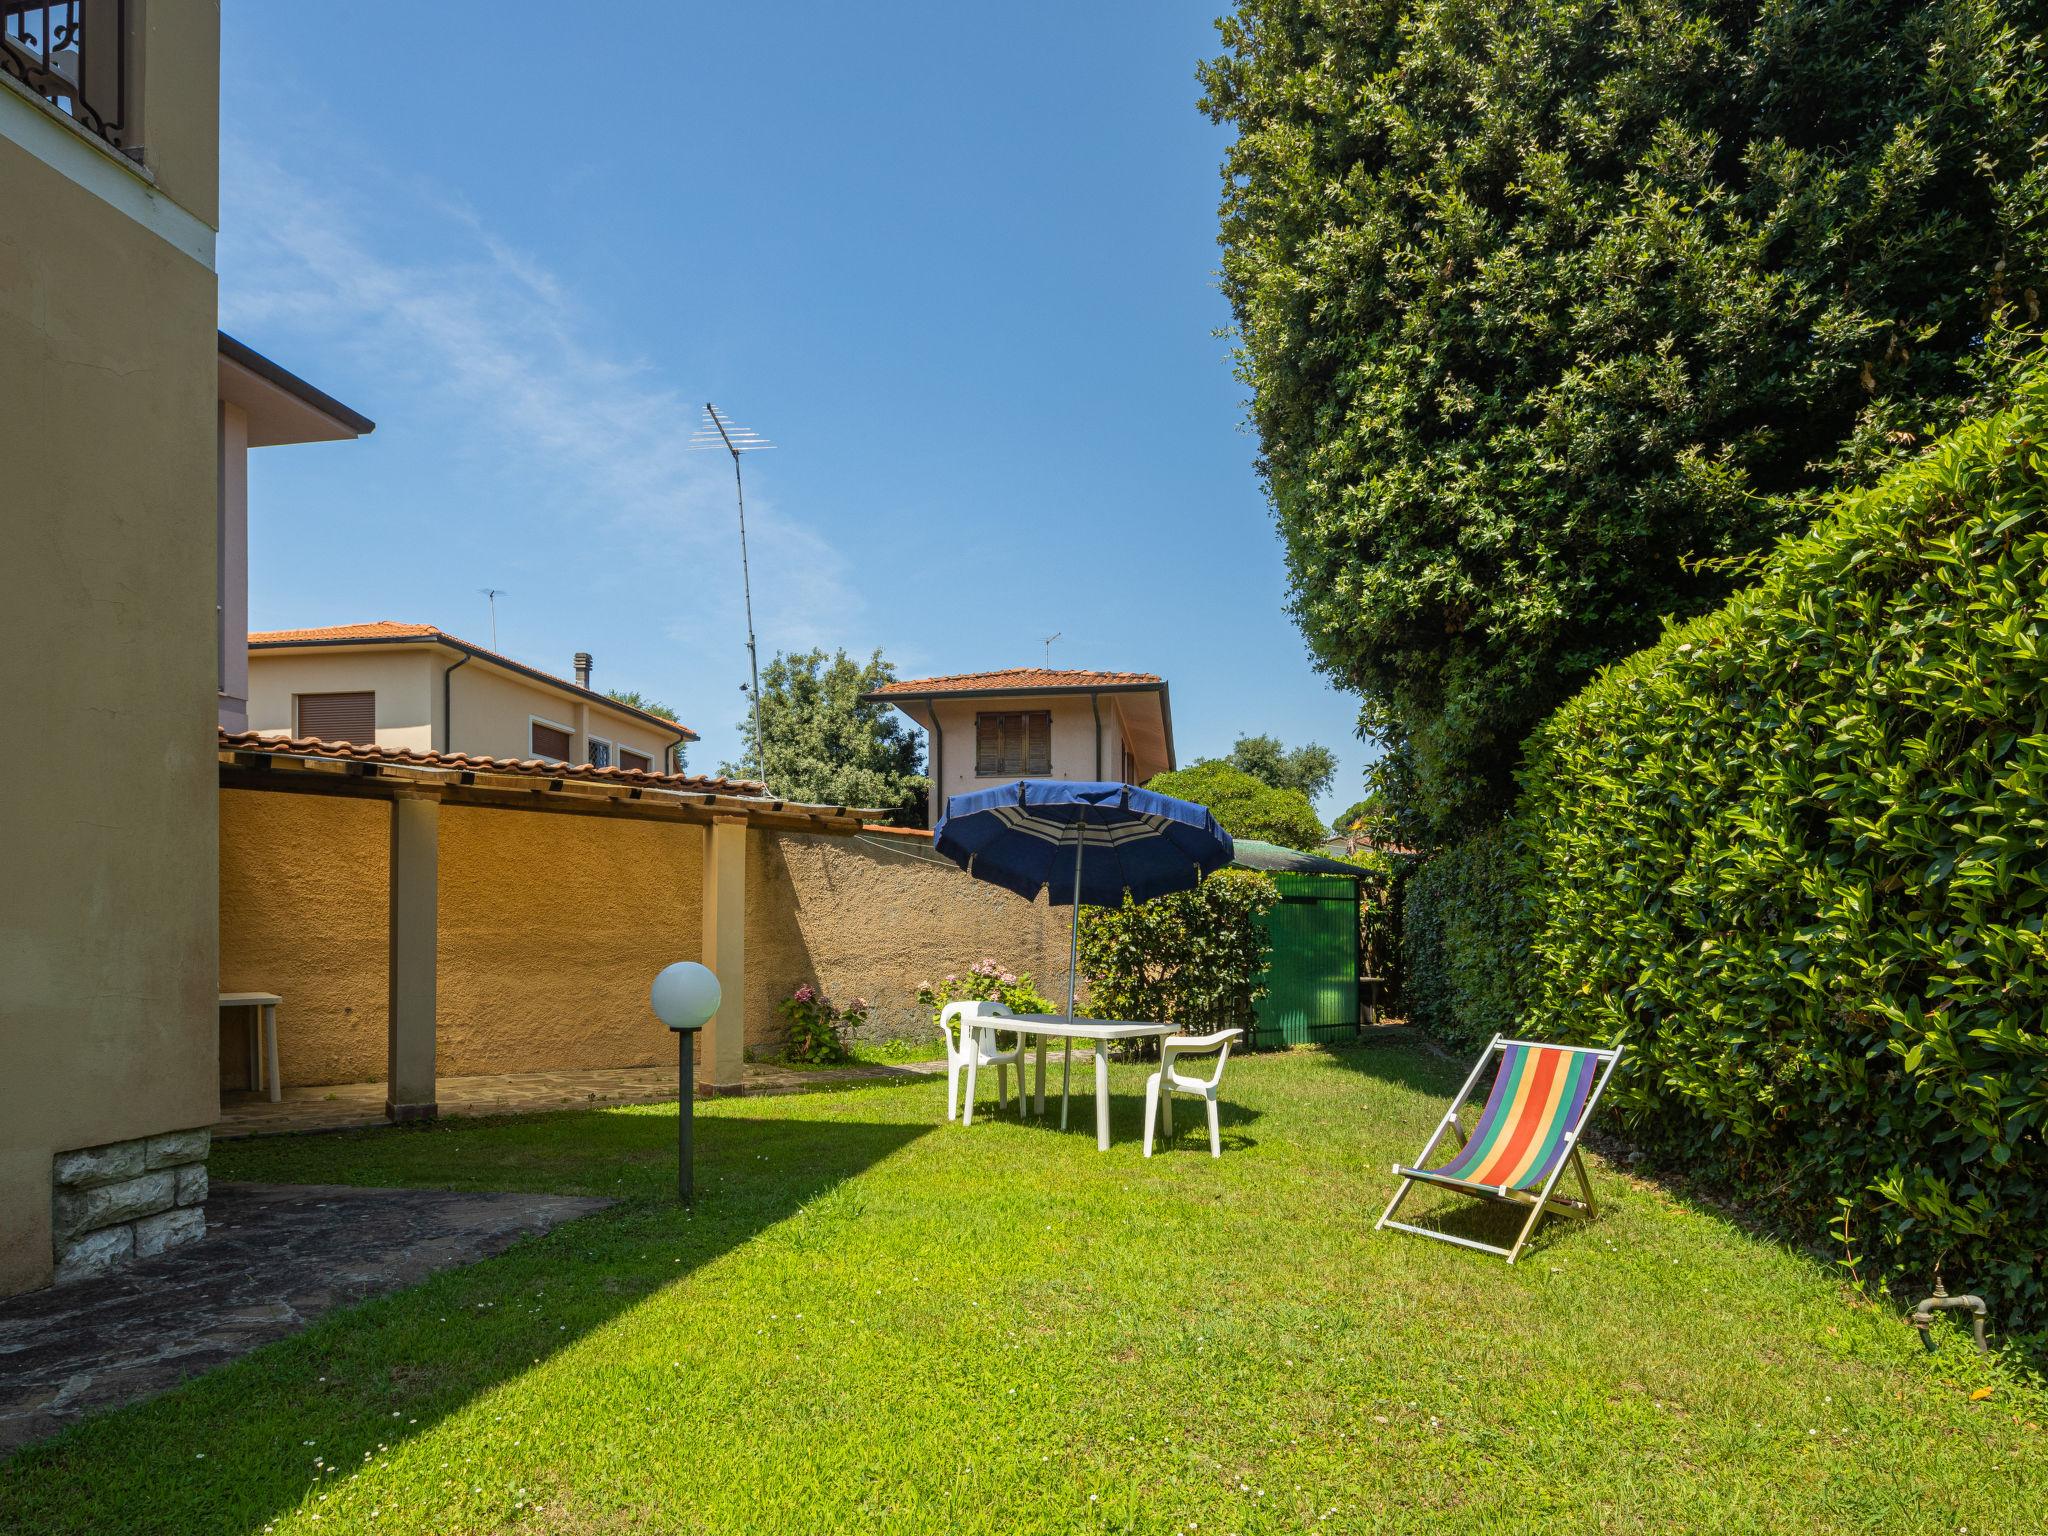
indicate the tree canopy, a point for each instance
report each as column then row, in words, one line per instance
column 1308, row 769
column 826, row 745
column 1244, row 806
column 1543, row 303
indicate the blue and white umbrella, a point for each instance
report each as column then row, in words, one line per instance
column 1079, row 842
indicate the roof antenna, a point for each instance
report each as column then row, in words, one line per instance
column 716, row 432
column 1048, row 647
column 491, row 596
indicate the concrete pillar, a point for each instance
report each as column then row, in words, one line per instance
column 721, row 1059
column 415, row 883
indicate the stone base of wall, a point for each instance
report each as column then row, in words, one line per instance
column 127, row 1200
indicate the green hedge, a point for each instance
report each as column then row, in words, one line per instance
column 1462, row 963
column 1796, row 856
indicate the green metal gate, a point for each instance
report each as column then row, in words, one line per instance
column 1312, row 971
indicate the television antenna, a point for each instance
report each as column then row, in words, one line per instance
column 1048, row 646
column 491, row 596
column 719, row 431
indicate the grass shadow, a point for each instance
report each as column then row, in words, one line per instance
column 236, row 1448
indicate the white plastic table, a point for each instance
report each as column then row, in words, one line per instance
column 1050, row 1026
column 262, row 1007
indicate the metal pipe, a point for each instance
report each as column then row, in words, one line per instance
column 1941, row 1301
column 448, row 704
column 686, row 1095
column 938, row 767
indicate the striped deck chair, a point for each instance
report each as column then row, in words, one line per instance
column 1528, row 1131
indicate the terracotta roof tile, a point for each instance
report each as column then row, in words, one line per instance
column 1016, row 679
column 392, row 629
column 313, row 746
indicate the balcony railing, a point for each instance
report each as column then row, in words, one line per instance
column 70, row 54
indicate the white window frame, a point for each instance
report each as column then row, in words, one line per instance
column 553, row 725
column 619, row 749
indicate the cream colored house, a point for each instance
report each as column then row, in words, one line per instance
column 417, row 687
column 109, row 410
column 982, row 728
column 261, row 405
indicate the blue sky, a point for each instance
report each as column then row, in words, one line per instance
column 957, row 261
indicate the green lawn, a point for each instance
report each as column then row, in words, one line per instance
column 875, row 1321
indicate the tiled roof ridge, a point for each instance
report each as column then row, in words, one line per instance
column 1056, row 677
column 313, row 746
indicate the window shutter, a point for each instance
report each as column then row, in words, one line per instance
column 638, row 761
column 350, row 717
column 550, row 743
column 988, row 744
column 1038, row 742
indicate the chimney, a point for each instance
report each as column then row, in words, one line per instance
column 583, row 669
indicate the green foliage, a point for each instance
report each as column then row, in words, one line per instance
column 1796, row 857
column 1244, row 806
column 829, row 746
column 1307, row 769
column 632, row 698
column 985, row 981
column 1195, row 959
column 1542, row 300
column 1461, row 971
column 818, row 1031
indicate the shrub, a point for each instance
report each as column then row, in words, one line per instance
column 1796, row 857
column 1195, row 959
column 987, row 982
column 1461, row 966
column 818, row 1031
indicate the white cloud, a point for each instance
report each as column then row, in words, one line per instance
column 495, row 349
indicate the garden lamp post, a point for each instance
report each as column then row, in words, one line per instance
column 685, row 995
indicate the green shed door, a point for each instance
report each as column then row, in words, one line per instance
column 1312, row 972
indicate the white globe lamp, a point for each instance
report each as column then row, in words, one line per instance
column 685, row 996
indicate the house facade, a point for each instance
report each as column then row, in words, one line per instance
column 417, row 687
column 109, row 175
column 983, row 728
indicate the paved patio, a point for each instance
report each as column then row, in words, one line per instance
column 348, row 1106
column 275, row 1256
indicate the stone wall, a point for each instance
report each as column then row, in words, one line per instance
column 126, row 1200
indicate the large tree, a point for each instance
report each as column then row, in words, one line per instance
column 1244, row 806
column 1543, row 303
column 1308, row 769
column 825, row 745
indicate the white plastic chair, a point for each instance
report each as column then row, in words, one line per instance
column 957, row 1019
column 1165, row 1080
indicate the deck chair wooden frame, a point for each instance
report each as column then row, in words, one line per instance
column 1536, row 1187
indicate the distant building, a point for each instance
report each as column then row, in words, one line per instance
column 414, row 686
column 1036, row 722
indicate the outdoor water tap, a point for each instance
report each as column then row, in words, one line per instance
column 1941, row 1301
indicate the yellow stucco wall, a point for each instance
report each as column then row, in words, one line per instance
column 551, row 928
column 107, row 435
column 874, row 917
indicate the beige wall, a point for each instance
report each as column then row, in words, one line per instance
column 876, row 917
column 405, row 682
column 107, row 434
column 551, row 929
column 493, row 708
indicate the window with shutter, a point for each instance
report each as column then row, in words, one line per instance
column 638, row 761
column 1013, row 745
column 348, row 717
column 551, row 742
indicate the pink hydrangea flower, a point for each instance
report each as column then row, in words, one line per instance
column 804, row 994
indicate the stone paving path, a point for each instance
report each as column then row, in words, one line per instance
column 346, row 1106
column 275, row 1256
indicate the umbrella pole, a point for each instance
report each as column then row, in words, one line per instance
column 1074, row 941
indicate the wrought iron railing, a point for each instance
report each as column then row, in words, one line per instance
column 69, row 52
